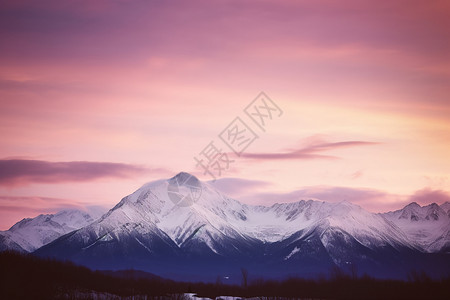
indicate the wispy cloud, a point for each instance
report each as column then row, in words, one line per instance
column 32, row 205
column 21, row 172
column 427, row 195
column 325, row 193
column 371, row 199
column 15, row 208
column 313, row 151
column 236, row 187
column 357, row 174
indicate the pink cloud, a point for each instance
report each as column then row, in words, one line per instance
column 374, row 200
column 427, row 196
column 309, row 152
column 21, row 172
column 357, row 174
column 14, row 208
column 325, row 193
column 133, row 81
column 235, row 187
column 370, row 199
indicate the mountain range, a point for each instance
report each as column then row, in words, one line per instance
column 30, row 234
column 184, row 229
column 427, row 227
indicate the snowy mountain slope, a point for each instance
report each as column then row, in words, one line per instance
column 446, row 207
column 275, row 223
column 426, row 226
column 32, row 233
column 172, row 227
column 213, row 216
column 149, row 212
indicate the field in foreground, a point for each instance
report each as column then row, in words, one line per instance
column 28, row 277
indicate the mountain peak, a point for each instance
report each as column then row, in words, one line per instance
column 184, row 178
column 31, row 233
column 412, row 206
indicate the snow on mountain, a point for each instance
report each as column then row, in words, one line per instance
column 214, row 217
column 446, row 207
column 275, row 223
column 426, row 226
column 178, row 225
column 151, row 211
column 32, row 233
column 211, row 218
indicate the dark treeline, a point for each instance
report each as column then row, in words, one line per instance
column 27, row 277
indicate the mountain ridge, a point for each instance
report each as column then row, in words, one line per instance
column 30, row 234
column 170, row 228
column 428, row 226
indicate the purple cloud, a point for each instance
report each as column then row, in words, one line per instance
column 427, row 196
column 21, row 171
column 235, row 187
column 370, row 199
column 309, row 152
column 15, row 208
column 35, row 205
column 325, row 193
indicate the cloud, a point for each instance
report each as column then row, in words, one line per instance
column 325, row 193
column 21, row 172
column 15, row 208
column 35, row 204
column 235, row 187
column 370, row 199
column 427, row 196
column 309, row 152
column 357, row 174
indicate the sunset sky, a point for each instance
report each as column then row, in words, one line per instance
column 99, row 97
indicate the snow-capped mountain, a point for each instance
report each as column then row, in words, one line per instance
column 428, row 227
column 446, row 208
column 32, row 233
column 182, row 228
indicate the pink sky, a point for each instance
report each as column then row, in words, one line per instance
column 97, row 99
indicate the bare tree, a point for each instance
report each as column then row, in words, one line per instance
column 354, row 271
column 244, row 277
column 219, row 280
